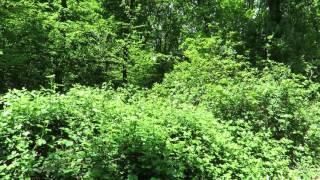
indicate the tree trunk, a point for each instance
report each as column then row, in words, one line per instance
column 274, row 10
column 58, row 71
column 124, row 66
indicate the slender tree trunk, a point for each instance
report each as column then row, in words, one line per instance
column 128, row 30
column 275, row 11
column 275, row 16
column 58, row 72
column 124, row 66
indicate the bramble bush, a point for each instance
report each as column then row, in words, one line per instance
column 271, row 100
column 100, row 133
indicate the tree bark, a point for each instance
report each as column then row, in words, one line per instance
column 58, row 71
column 124, row 66
column 275, row 11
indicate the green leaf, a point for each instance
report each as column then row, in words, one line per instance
column 66, row 142
column 41, row 142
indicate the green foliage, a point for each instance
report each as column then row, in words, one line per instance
column 95, row 41
column 74, row 43
column 210, row 118
column 273, row 101
column 188, row 89
column 99, row 133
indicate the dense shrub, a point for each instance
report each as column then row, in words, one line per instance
column 271, row 100
column 226, row 109
column 212, row 117
column 91, row 133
